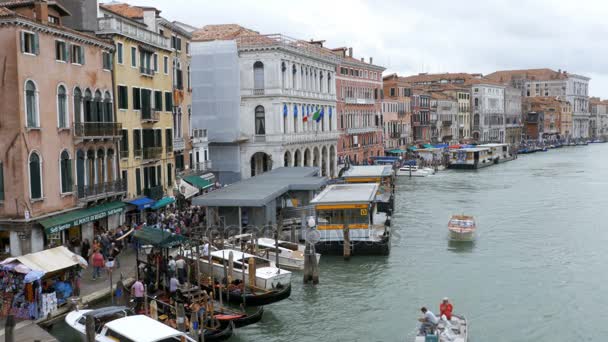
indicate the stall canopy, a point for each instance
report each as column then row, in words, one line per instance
column 186, row 189
column 163, row 202
column 77, row 217
column 412, row 148
column 142, row 203
column 198, row 182
column 427, row 146
column 158, row 237
column 397, row 151
column 48, row 260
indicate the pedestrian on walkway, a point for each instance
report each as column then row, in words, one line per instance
column 114, row 252
column 180, row 264
column 86, row 247
column 138, row 292
column 98, row 261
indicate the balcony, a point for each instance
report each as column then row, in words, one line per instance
column 150, row 153
column 476, row 128
column 295, row 138
column 102, row 190
column 401, row 112
column 124, row 154
column 258, row 91
column 446, row 123
column 155, row 192
column 288, row 92
column 138, row 153
column 146, row 71
column 362, row 130
column 395, row 135
column 362, row 101
column 179, row 144
column 169, row 149
column 150, row 115
column 97, row 130
column 115, row 25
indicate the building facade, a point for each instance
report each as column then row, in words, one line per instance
column 488, row 108
column 446, row 111
column 280, row 97
column 359, row 106
column 598, row 123
column 545, row 117
column 58, row 138
column 421, row 116
column 397, row 112
column 513, row 115
column 144, row 92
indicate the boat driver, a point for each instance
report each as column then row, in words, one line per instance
column 429, row 321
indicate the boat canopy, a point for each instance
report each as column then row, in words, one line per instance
column 151, row 235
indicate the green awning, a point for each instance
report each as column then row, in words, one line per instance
column 198, row 182
column 163, row 202
column 412, row 148
column 77, row 217
column 427, row 146
column 150, row 235
column 397, row 151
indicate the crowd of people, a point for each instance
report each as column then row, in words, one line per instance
column 104, row 251
column 177, row 221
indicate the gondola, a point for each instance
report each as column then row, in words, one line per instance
column 239, row 319
column 257, row 298
column 222, row 333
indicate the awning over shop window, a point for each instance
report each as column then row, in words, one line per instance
column 412, row 148
column 186, row 189
column 198, row 182
column 77, row 217
column 397, row 151
column 159, row 238
column 427, row 146
column 163, row 202
column 142, row 203
column 48, row 260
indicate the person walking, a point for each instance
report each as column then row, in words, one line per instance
column 85, row 248
column 98, row 261
column 138, row 292
column 114, row 252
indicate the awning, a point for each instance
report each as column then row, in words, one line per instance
column 158, row 238
column 198, row 182
column 49, row 260
column 427, row 146
column 77, row 217
column 163, row 202
column 142, row 203
column 186, row 189
column 397, row 151
column 412, row 148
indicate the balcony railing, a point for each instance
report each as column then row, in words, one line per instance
column 152, row 152
column 296, row 138
column 110, row 25
column 258, row 91
column 446, row 123
column 138, row 153
column 124, row 154
column 400, row 112
column 356, row 100
column 155, row 192
column 169, row 149
column 146, row 71
column 151, row 116
column 476, row 127
column 97, row 129
column 106, row 189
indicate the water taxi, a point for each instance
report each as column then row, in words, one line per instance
column 348, row 221
column 146, row 330
column 412, row 170
column 383, row 175
column 454, row 330
column 462, row 228
column 470, row 158
column 77, row 318
column 499, row 153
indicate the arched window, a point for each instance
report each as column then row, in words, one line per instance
column 62, row 107
column 294, row 71
column 31, row 105
column 283, row 75
column 476, row 102
column 258, row 76
column 328, row 83
column 66, row 172
column 321, row 82
column 88, row 106
column 98, row 108
column 107, row 103
column 35, row 176
column 260, row 121
column 101, row 166
column 77, row 104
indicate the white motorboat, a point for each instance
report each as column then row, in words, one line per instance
column 454, row 330
column 267, row 275
column 429, row 170
column 140, row 328
column 77, row 318
column 291, row 255
column 462, row 228
column 413, row 170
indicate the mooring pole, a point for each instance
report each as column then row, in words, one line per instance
column 9, row 330
column 347, row 242
column 90, row 328
column 180, row 314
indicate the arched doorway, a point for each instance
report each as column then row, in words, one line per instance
column 324, row 159
column 332, row 161
column 316, row 162
column 287, row 159
column 297, row 160
column 307, row 157
column 260, row 163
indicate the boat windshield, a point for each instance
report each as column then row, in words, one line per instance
column 344, row 216
column 462, row 223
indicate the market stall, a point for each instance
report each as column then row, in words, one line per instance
column 34, row 285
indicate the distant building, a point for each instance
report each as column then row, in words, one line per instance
column 543, row 120
column 266, row 101
column 359, row 106
column 488, row 109
column 421, row 116
column 598, row 124
column 445, row 127
column 396, row 113
column 513, row 115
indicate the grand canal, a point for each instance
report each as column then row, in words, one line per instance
column 537, row 271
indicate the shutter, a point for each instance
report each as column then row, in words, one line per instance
column 138, row 181
column 1, row 183
column 36, row 44
column 110, row 60
column 22, row 34
column 81, row 51
column 35, row 180
column 159, row 180
column 69, row 175
column 68, row 52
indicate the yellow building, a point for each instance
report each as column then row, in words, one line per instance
column 144, row 97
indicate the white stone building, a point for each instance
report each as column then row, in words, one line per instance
column 488, row 108
column 266, row 101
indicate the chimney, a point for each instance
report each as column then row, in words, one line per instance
column 150, row 18
column 362, row 59
column 371, row 60
column 350, row 52
column 41, row 11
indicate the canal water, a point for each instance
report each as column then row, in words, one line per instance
column 537, row 272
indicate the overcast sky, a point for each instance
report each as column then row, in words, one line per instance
column 432, row 36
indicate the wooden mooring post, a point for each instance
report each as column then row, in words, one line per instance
column 9, row 329
column 311, row 267
column 347, row 250
column 90, row 328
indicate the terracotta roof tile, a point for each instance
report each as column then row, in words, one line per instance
column 545, row 74
column 16, row 3
column 126, row 10
column 222, row 32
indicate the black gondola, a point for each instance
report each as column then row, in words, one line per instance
column 252, row 299
column 223, row 333
column 242, row 321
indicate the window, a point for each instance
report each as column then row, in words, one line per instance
column 106, row 60
column 29, row 43
column 138, row 181
column 1, row 183
column 123, row 97
column 124, row 144
column 77, row 105
column 258, row 76
column 31, row 105
column 77, row 54
column 155, row 63
column 168, row 102
column 133, row 56
column 176, row 43
column 137, row 142
column 119, row 53
column 169, row 139
column 53, row 20
column 158, row 100
column 107, row 104
column 88, row 105
column 260, row 121
column 62, row 107
column 166, row 65
column 169, row 175
column 189, row 85
column 187, row 48
column 35, row 176
column 136, row 98
column 145, row 63
column 146, row 103
column 61, row 51
column 66, row 172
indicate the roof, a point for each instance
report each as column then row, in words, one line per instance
column 126, row 10
column 368, row 171
column 347, row 193
column 22, row 3
column 198, row 182
column 472, row 149
column 61, row 222
column 221, row 32
column 260, row 190
column 446, row 79
column 151, row 235
column 544, row 74
column 49, row 260
column 148, row 329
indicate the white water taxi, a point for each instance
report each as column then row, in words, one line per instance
column 454, row 330
column 462, row 228
column 413, row 170
column 77, row 318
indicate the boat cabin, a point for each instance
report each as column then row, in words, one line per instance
column 470, row 158
column 498, row 152
column 383, row 175
column 140, row 328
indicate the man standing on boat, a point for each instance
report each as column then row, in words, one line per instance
column 429, row 321
column 445, row 308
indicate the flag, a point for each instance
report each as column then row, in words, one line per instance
column 295, row 110
column 284, row 110
column 317, row 115
column 305, row 115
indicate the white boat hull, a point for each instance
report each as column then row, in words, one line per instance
column 271, row 278
column 417, row 173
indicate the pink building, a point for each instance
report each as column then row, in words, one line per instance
column 58, row 133
column 359, row 107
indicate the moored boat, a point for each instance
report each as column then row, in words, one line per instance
column 77, row 318
column 462, row 228
column 141, row 328
column 454, row 330
column 412, row 170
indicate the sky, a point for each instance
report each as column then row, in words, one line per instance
column 410, row 37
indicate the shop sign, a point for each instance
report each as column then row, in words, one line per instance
column 83, row 220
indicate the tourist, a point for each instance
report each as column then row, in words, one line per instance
column 98, row 261
column 137, row 291
column 114, row 252
column 171, row 266
column 173, row 284
column 429, row 321
column 445, row 308
column 85, row 249
column 180, row 265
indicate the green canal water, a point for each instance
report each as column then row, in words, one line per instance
column 537, row 272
